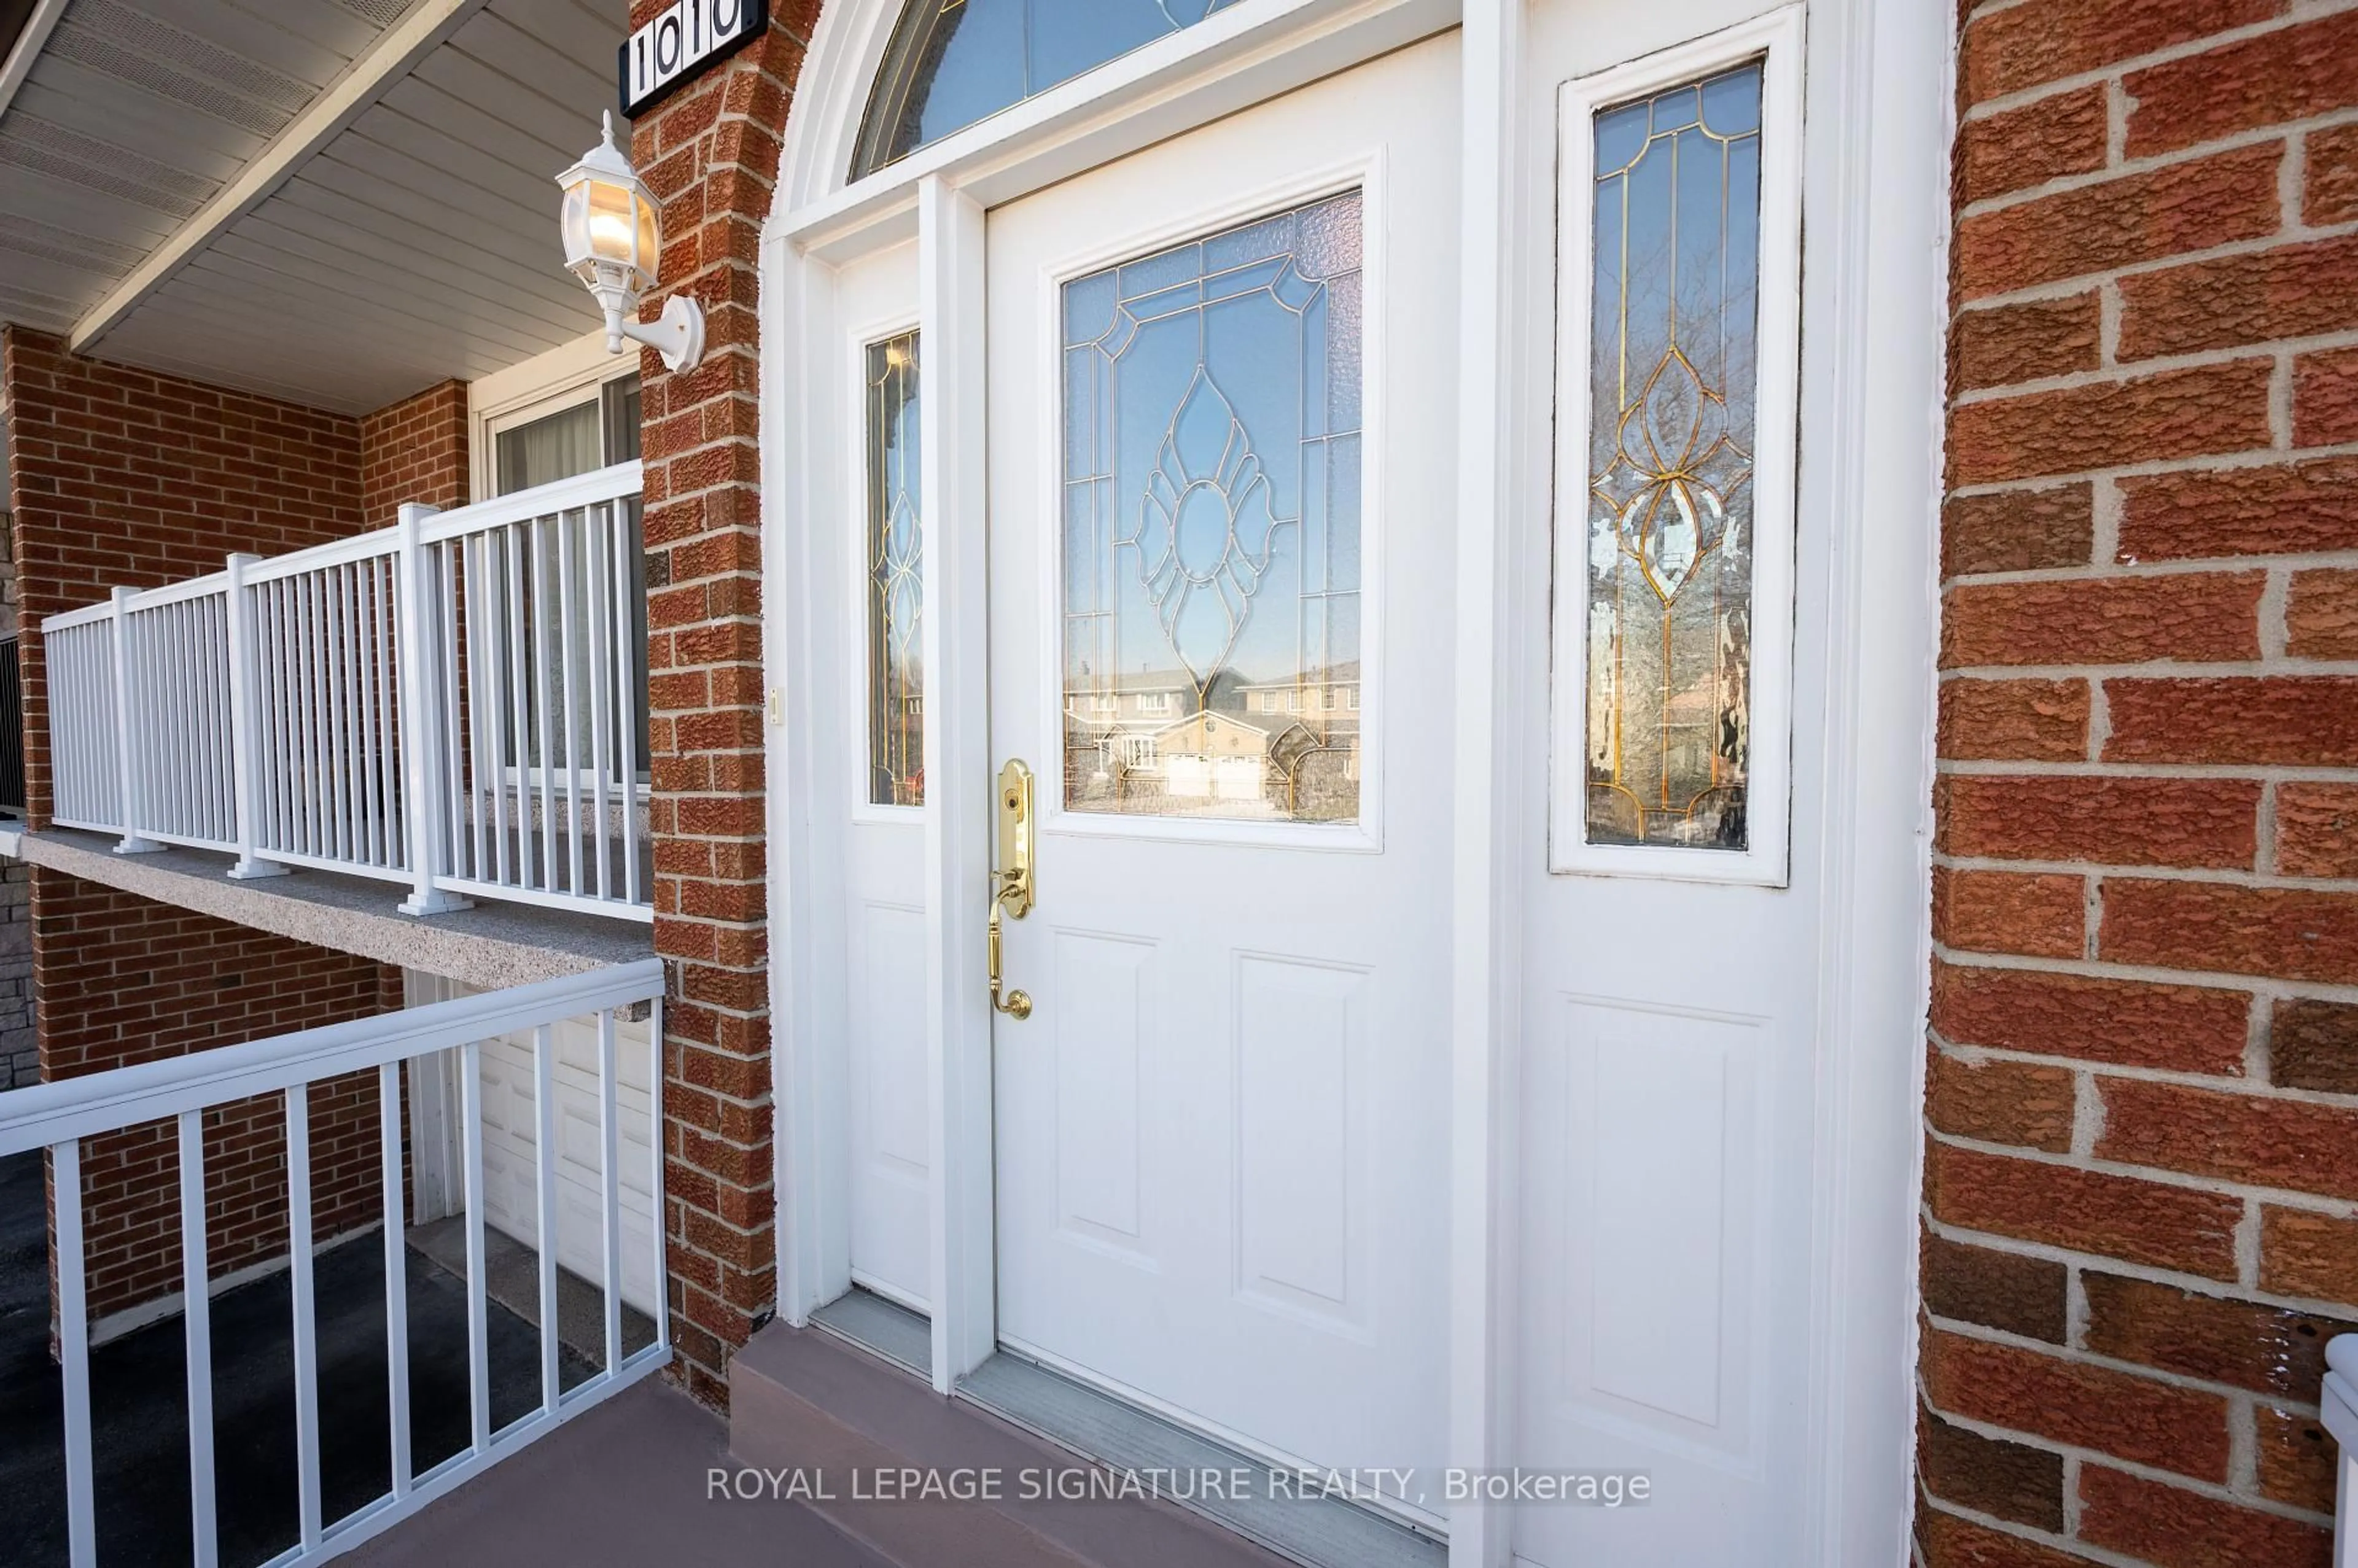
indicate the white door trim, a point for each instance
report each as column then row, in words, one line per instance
column 1483, row 977
column 960, row 771
column 1878, row 67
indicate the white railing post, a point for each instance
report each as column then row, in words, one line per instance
column 2339, row 1403
column 244, row 719
column 417, row 666
column 126, row 730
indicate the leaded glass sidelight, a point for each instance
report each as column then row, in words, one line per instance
column 1211, row 554
column 1673, row 374
column 952, row 63
column 896, row 665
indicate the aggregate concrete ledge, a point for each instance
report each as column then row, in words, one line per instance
column 490, row 946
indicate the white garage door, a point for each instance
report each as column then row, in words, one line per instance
column 511, row 1196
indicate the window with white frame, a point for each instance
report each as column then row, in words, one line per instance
column 585, row 427
column 1678, row 322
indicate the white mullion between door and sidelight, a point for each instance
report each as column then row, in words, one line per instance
column 1482, row 966
column 808, row 988
column 958, row 789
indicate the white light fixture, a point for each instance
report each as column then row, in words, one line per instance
column 613, row 241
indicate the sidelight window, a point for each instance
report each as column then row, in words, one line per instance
column 1675, row 526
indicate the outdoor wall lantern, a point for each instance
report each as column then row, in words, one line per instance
column 613, row 241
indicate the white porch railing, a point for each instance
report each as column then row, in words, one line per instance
column 2340, row 1402
column 59, row 1116
column 456, row 703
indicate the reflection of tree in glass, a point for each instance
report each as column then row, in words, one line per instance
column 1671, row 374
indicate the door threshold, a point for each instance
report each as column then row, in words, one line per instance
column 1101, row 1427
column 1105, row 1429
column 863, row 1319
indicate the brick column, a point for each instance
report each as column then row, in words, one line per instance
column 416, row 449
column 2141, row 1205
column 711, row 155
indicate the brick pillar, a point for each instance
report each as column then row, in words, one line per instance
column 414, row 449
column 2141, row 1205
column 711, row 155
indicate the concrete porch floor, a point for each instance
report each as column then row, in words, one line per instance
column 620, row 1485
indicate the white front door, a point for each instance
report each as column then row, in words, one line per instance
column 1222, row 437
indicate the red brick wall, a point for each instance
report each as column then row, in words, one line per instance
column 125, row 980
column 122, row 476
column 415, row 450
column 2141, row 1205
column 128, row 478
column 712, row 154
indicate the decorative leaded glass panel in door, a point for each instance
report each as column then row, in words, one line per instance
column 1672, row 374
column 896, row 667
column 1211, row 555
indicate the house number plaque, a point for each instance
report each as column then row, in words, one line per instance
column 671, row 51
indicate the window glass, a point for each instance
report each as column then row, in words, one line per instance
column 555, row 446
column 896, row 667
column 1670, row 533
column 1211, row 536
column 953, row 62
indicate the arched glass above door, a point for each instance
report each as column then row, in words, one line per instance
column 953, row 62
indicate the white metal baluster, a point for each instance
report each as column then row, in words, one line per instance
column 364, row 703
column 73, row 1355
column 127, row 747
column 224, row 774
column 568, row 667
column 161, row 762
column 599, row 636
column 196, row 1314
column 281, row 669
column 290, row 693
column 520, row 702
column 479, row 1284
column 421, row 728
column 495, row 677
column 353, row 649
column 171, row 654
column 204, row 695
column 388, row 704
column 656, row 1164
column 339, row 762
column 396, row 1275
column 307, row 1322
column 609, row 1171
column 626, row 729
column 2337, row 1412
column 478, row 808
column 544, row 1159
column 452, row 759
column 189, row 678
column 306, row 721
column 249, row 709
column 540, row 636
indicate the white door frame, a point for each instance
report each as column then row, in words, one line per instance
column 1879, row 66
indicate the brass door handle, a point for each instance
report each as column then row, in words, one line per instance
column 1011, row 888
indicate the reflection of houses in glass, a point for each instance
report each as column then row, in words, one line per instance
column 1288, row 749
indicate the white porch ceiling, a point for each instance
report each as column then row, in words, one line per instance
column 416, row 241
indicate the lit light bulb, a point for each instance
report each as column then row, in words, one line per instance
column 610, row 233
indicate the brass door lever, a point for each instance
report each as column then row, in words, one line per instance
column 1010, row 885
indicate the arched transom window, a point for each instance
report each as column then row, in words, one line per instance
column 953, row 62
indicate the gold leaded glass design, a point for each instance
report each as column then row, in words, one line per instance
column 896, row 666
column 1675, row 276
column 1211, row 533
